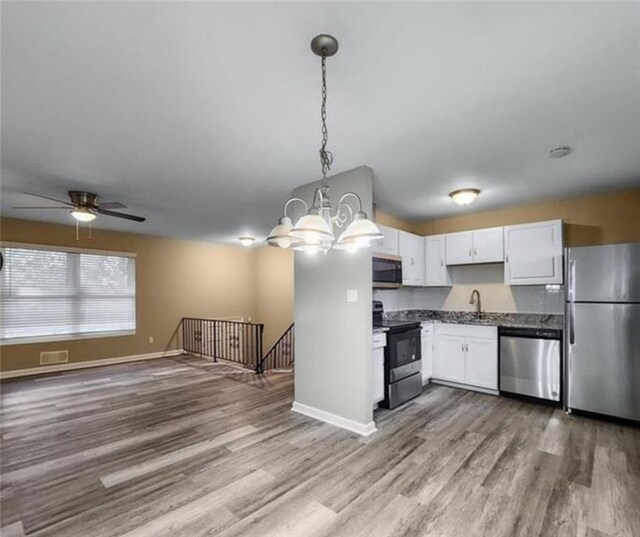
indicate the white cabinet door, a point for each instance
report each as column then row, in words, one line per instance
column 481, row 362
column 459, row 248
column 488, row 245
column 436, row 270
column 389, row 244
column 448, row 360
column 412, row 253
column 533, row 253
column 427, row 355
column 378, row 375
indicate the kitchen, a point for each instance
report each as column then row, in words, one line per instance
column 536, row 346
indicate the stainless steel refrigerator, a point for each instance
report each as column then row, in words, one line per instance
column 602, row 329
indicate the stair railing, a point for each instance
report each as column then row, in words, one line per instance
column 281, row 355
column 233, row 341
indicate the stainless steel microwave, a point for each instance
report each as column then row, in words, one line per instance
column 387, row 271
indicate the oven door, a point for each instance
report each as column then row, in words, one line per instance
column 404, row 348
column 387, row 271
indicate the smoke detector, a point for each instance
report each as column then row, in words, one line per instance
column 559, row 152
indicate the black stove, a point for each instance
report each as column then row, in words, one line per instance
column 402, row 358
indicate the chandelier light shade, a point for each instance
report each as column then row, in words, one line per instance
column 279, row 235
column 464, row 196
column 359, row 233
column 311, row 229
column 313, row 232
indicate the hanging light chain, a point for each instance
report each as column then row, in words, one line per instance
column 326, row 157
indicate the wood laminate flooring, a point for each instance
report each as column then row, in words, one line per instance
column 184, row 447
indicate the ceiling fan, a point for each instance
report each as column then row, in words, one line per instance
column 85, row 206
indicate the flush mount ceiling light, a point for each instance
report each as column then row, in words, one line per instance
column 246, row 241
column 464, row 196
column 314, row 231
column 559, row 152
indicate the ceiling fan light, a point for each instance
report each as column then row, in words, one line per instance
column 464, row 196
column 312, row 229
column 82, row 214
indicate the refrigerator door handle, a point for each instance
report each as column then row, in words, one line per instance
column 572, row 280
column 572, row 329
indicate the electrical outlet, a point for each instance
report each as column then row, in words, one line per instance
column 352, row 295
column 150, row 340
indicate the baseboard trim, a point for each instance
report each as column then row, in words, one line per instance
column 363, row 429
column 465, row 387
column 89, row 363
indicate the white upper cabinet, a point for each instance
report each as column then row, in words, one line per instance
column 459, row 248
column 488, row 245
column 412, row 253
column 479, row 246
column 533, row 253
column 390, row 244
column 436, row 270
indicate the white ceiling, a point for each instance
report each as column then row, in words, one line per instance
column 204, row 116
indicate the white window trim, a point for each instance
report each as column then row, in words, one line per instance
column 65, row 337
column 68, row 249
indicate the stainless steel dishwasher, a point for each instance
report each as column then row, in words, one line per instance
column 530, row 362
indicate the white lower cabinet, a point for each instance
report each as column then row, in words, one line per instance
column 427, row 352
column 377, row 390
column 466, row 354
column 481, row 364
column 448, row 361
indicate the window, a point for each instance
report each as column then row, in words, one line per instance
column 50, row 294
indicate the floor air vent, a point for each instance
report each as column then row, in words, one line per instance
column 54, row 357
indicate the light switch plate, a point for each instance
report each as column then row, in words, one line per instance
column 352, row 295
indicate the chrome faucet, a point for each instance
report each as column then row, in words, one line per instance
column 475, row 299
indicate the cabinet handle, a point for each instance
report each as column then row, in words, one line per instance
column 442, row 263
column 475, row 251
column 506, row 258
column 469, row 252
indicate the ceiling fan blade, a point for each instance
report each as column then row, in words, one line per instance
column 49, row 198
column 112, row 205
column 121, row 215
column 32, row 207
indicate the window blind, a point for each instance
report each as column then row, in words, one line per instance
column 62, row 293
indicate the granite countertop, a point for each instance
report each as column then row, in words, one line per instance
column 379, row 329
column 522, row 320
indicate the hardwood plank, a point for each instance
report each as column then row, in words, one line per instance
column 189, row 447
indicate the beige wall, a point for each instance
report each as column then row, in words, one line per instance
column 396, row 223
column 174, row 278
column 603, row 219
column 274, row 292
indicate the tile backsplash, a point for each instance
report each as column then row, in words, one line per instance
column 489, row 281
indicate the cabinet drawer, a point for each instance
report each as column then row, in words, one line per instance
column 379, row 340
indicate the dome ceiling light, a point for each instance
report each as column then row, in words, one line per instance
column 559, row 152
column 464, row 196
column 314, row 231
